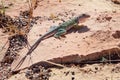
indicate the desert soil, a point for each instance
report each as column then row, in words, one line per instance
column 88, row 72
column 97, row 36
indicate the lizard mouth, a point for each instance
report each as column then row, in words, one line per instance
column 82, row 20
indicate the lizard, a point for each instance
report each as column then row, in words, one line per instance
column 57, row 31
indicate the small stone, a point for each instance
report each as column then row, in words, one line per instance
column 73, row 78
column 79, row 4
column 78, row 45
column 63, row 20
column 53, row 21
column 116, row 1
column 108, row 18
column 114, row 11
column 73, row 73
column 65, row 41
column 40, row 34
column 96, row 68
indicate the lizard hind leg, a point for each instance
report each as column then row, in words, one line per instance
column 60, row 32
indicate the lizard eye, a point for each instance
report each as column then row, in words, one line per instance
column 85, row 15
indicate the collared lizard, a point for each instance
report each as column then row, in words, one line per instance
column 57, row 31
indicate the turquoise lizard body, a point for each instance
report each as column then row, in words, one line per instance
column 62, row 28
column 65, row 26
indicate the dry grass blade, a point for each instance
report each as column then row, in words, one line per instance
column 49, row 62
column 30, row 9
column 34, row 4
column 58, row 1
column 30, row 15
column 3, row 46
column 59, row 65
column 3, row 8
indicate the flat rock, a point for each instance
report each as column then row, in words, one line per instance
column 95, row 38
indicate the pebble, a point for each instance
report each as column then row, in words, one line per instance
column 38, row 72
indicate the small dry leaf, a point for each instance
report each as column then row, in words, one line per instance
column 59, row 0
column 52, row 16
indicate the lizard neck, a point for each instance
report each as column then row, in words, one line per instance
column 69, row 23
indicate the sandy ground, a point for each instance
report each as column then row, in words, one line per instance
column 88, row 72
column 95, row 37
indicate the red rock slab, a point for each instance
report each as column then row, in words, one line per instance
column 74, row 51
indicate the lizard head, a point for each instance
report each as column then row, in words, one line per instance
column 82, row 18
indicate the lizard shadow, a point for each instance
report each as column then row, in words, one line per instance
column 81, row 30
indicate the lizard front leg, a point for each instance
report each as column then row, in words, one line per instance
column 76, row 26
column 60, row 33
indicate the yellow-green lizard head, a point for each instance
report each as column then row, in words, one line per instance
column 82, row 17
